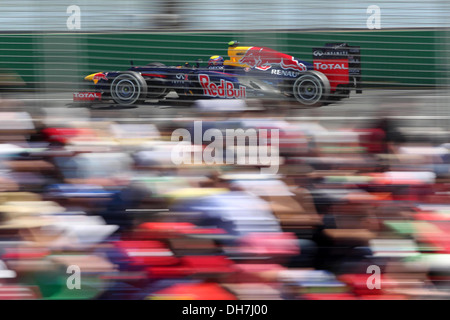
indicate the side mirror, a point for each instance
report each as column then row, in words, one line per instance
column 198, row 62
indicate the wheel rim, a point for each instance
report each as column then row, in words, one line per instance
column 125, row 90
column 308, row 90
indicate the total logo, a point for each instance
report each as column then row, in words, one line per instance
column 87, row 96
column 330, row 66
column 225, row 89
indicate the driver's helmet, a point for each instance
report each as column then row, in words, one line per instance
column 215, row 61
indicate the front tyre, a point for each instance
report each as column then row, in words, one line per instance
column 311, row 89
column 128, row 88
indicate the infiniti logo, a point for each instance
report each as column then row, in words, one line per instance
column 318, row 53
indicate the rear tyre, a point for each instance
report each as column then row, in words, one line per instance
column 128, row 88
column 311, row 89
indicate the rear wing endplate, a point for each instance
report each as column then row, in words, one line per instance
column 343, row 50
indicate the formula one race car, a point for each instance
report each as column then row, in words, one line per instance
column 251, row 72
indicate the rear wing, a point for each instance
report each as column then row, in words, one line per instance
column 336, row 51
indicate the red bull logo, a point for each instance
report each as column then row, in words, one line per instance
column 225, row 89
column 264, row 58
column 98, row 76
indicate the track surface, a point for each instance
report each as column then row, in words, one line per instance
column 425, row 108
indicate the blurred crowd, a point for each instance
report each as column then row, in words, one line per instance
column 105, row 197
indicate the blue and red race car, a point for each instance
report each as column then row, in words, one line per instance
column 250, row 72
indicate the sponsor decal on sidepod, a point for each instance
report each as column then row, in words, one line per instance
column 225, row 89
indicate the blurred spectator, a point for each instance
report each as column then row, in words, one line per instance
column 106, row 197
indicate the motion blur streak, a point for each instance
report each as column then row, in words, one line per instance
column 105, row 198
